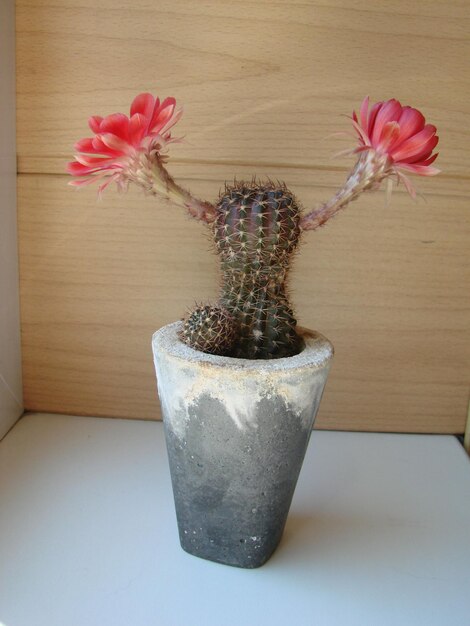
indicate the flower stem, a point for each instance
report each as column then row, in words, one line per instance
column 368, row 173
column 157, row 181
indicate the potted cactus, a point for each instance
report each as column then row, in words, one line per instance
column 239, row 382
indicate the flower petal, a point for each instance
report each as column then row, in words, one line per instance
column 99, row 147
column 138, row 125
column 430, row 160
column 144, row 104
column 85, row 145
column 81, row 182
column 102, row 187
column 422, row 170
column 411, row 122
column 95, row 162
column 77, row 169
column 390, row 132
column 364, row 112
column 116, row 143
column 362, row 133
column 414, row 144
column 425, row 151
column 372, row 115
column 161, row 115
column 389, row 112
column 94, row 123
column 407, row 182
column 170, row 123
column 116, row 124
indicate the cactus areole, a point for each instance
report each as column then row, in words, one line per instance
column 256, row 225
column 239, row 382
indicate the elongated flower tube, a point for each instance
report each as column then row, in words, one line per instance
column 393, row 139
column 134, row 149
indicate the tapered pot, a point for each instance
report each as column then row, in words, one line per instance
column 236, row 433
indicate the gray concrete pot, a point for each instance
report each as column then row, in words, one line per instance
column 236, row 432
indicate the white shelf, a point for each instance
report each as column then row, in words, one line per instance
column 378, row 534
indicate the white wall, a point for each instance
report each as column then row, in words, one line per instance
column 10, row 358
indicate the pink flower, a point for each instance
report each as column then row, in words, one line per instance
column 400, row 135
column 123, row 147
column 392, row 138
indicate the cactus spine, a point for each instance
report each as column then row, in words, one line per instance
column 256, row 230
column 209, row 328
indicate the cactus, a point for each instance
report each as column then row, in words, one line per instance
column 209, row 328
column 256, row 227
column 256, row 230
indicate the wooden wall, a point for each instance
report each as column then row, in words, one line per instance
column 263, row 84
column 10, row 355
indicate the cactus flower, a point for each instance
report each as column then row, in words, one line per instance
column 392, row 139
column 115, row 152
column 133, row 149
column 398, row 133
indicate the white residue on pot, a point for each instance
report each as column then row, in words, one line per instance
column 182, row 385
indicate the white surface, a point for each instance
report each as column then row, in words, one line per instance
column 10, row 359
column 378, row 534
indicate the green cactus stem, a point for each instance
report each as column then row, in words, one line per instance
column 256, row 230
column 209, row 328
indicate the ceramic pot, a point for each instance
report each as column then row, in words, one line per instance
column 236, row 433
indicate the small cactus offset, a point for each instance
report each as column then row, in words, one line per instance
column 256, row 226
column 209, row 328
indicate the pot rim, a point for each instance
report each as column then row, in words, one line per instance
column 316, row 354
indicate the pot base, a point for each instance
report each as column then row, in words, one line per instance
column 228, row 556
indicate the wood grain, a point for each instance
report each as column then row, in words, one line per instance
column 11, row 404
column 259, row 81
column 262, row 83
column 384, row 284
